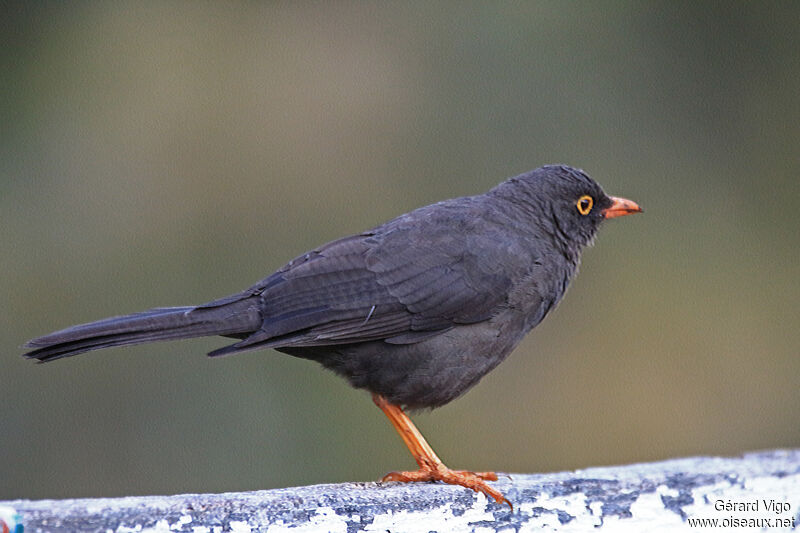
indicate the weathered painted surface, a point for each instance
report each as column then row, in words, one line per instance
column 661, row 496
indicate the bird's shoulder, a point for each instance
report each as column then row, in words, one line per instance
column 471, row 234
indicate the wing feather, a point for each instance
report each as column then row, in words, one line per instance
column 410, row 278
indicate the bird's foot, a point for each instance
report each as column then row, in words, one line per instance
column 472, row 480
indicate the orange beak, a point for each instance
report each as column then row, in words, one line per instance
column 621, row 207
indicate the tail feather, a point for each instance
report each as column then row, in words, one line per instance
column 235, row 318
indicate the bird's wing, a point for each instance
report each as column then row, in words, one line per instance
column 413, row 277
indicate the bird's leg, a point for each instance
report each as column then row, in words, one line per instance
column 431, row 467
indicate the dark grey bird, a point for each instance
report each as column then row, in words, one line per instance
column 416, row 310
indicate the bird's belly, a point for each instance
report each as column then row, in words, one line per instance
column 426, row 374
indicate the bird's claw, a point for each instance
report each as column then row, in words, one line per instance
column 472, row 480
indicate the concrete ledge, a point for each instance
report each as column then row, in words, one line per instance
column 640, row 497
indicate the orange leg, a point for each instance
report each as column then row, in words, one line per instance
column 431, row 467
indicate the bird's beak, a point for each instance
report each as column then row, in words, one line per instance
column 621, row 207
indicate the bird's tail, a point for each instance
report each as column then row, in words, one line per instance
column 234, row 318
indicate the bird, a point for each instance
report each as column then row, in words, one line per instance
column 415, row 311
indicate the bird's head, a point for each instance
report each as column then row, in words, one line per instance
column 566, row 202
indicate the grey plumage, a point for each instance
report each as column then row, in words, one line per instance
column 417, row 309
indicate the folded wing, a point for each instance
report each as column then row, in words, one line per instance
column 411, row 278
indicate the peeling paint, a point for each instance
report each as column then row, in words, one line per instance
column 656, row 497
column 438, row 519
column 238, row 526
column 325, row 519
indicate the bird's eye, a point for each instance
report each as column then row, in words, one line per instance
column 585, row 204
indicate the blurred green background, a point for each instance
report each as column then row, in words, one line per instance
column 157, row 154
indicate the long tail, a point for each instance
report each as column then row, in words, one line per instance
column 234, row 318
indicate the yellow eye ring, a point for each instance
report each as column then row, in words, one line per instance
column 584, row 204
